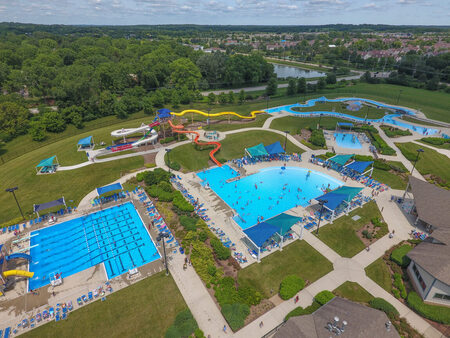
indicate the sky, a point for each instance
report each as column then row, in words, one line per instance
column 224, row 12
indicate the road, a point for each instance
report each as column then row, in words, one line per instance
column 281, row 85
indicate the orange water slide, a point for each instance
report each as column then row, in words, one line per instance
column 178, row 129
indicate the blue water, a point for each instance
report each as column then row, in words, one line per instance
column 114, row 236
column 268, row 192
column 385, row 119
column 346, row 140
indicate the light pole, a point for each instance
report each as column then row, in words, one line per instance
column 420, row 150
column 11, row 190
column 160, row 238
column 285, row 139
column 321, row 203
column 168, row 158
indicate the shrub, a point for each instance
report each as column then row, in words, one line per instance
column 188, row 223
column 235, row 314
column 438, row 141
column 396, row 293
column 156, row 192
column 174, row 165
column 317, row 138
column 167, row 140
column 299, row 311
column 324, row 297
column 440, row 314
column 199, row 333
column 226, row 292
column 399, row 255
column 140, row 177
column 382, row 165
column 249, row 295
column 212, row 270
column 166, row 186
column 183, row 326
column 202, row 236
column 290, row 285
column 221, row 251
column 201, row 258
column 181, row 203
column 363, row 158
column 386, row 307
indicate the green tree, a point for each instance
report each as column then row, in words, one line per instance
column 106, row 103
column 37, row 131
column 74, row 114
column 272, row 86
column 301, row 85
column 54, row 122
column 331, row 78
column 120, row 109
column 223, row 98
column 241, row 97
column 291, row 89
column 184, row 73
column 158, row 99
column 211, row 98
column 321, row 84
column 147, row 105
column 231, row 97
column 175, row 100
column 13, row 120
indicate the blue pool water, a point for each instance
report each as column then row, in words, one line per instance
column 268, row 192
column 115, row 237
column 346, row 140
column 385, row 119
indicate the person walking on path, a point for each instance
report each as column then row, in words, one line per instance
column 225, row 328
column 261, row 324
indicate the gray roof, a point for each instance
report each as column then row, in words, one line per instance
column 433, row 258
column 432, row 203
column 362, row 322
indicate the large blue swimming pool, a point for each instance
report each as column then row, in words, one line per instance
column 115, row 237
column 268, row 192
column 347, row 140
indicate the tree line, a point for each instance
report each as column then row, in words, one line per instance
column 89, row 77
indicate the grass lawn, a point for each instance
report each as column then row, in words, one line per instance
column 232, row 147
column 296, row 124
column 379, row 272
column 389, row 178
column 341, row 235
column 431, row 164
column 393, row 132
column 145, row 309
column 72, row 184
column 338, row 107
column 297, row 258
column 413, row 120
column 354, row 292
column 441, row 146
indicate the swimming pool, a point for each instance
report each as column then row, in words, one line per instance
column 347, row 140
column 268, row 192
column 115, row 237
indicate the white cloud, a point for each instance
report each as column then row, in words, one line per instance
column 370, row 5
column 407, row 2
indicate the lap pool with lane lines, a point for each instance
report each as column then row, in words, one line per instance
column 268, row 192
column 115, row 237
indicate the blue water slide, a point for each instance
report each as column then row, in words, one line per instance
column 18, row 255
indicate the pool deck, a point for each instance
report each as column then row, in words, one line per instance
column 221, row 214
column 17, row 304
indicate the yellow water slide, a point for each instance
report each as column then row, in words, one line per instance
column 18, row 273
column 252, row 114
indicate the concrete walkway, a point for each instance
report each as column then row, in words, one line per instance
column 441, row 151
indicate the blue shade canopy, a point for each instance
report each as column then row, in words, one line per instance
column 258, row 150
column 336, row 197
column 283, row 222
column 48, row 162
column 87, row 141
column 345, row 124
column 108, row 188
column 261, row 232
column 340, row 159
column 163, row 113
column 359, row 166
column 48, row 205
column 274, row 148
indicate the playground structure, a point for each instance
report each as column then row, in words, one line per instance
column 5, row 274
column 214, row 135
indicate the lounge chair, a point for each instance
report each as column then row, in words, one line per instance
column 84, row 298
column 57, row 318
column 90, row 295
column 7, row 332
column 79, row 301
column 70, row 306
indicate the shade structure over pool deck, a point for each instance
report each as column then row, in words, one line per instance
column 258, row 150
column 283, row 222
column 359, row 166
column 337, row 197
column 275, row 148
column 260, row 233
column 340, row 159
column 108, row 188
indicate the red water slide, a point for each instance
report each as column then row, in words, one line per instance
column 177, row 129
